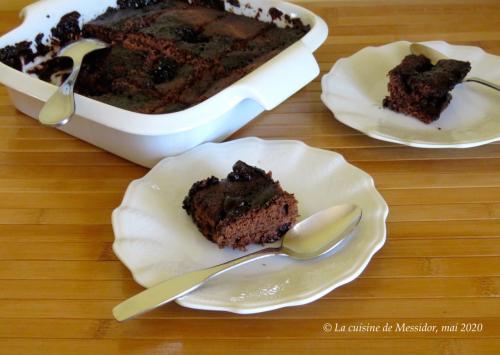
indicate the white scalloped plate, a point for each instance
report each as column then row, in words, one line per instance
column 355, row 87
column 156, row 239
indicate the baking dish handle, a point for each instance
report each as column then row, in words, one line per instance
column 282, row 76
column 38, row 10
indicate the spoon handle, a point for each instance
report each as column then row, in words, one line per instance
column 61, row 105
column 178, row 286
column 483, row 82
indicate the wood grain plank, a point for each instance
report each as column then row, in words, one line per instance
column 399, row 287
column 85, row 200
column 408, row 154
column 32, row 132
column 446, row 247
column 334, row 309
column 56, row 233
column 396, row 197
column 55, row 216
column 61, row 185
column 443, row 229
column 45, row 145
column 215, row 328
column 71, row 172
column 444, row 212
column 242, row 346
column 403, row 180
column 61, row 159
column 491, row 166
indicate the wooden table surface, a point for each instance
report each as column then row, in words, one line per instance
column 59, row 278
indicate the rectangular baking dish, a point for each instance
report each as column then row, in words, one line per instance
column 144, row 138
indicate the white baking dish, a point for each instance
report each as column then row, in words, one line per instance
column 143, row 138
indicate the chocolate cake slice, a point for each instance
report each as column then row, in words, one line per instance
column 422, row 90
column 246, row 207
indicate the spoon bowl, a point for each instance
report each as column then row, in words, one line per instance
column 78, row 50
column 60, row 107
column 316, row 236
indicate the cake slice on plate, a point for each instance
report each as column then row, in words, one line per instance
column 422, row 90
column 246, row 207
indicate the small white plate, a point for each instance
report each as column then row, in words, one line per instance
column 355, row 87
column 156, row 239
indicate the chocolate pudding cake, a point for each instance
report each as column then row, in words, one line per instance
column 422, row 90
column 165, row 55
column 246, row 207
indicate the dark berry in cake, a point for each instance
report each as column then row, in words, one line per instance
column 215, row 4
column 422, row 90
column 246, row 207
column 41, row 48
column 164, row 69
column 235, row 3
column 275, row 13
column 68, row 28
column 135, row 4
column 14, row 56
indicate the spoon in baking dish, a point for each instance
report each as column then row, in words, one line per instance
column 60, row 106
column 312, row 237
column 434, row 56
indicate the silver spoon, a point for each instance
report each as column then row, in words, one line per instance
column 60, row 106
column 314, row 236
column 434, row 56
